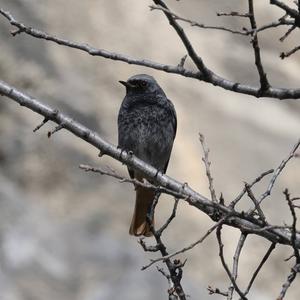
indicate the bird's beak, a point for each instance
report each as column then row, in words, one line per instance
column 125, row 83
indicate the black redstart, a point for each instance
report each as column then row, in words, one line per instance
column 147, row 126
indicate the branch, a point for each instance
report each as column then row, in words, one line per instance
column 264, row 84
column 280, row 22
column 290, row 11
column 206, row 73
column 95, row 51
column 266, row 256
column 207, row 164
column 289, row 53
column 233, row 14
column 291, row 277
column 175, row 267
column 296, row 268
column 236, row 219
column 112, row 173
column 278, row 171
column 221, row 254
column 196, row 24
column 243, row 192
column 236, row 257
column 256, row 204
column 187, row 248
column 294, row 225
column 213, row 78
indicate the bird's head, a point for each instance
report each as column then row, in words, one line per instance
column 140, row 84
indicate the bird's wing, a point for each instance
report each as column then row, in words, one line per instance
column 131, row 173
column 174, row 123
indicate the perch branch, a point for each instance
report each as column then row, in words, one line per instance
column 235, row 219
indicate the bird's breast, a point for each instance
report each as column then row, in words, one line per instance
column 147, row 130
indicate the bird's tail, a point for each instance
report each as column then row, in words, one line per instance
column 139, row 225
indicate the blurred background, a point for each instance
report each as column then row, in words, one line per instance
column 64, row 232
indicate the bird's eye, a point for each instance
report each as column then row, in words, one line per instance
column 143, row 83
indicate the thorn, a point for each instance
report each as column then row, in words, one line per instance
column 182, row 61
column 57, row 128
column 130, row 153
column 221, row 200
column 184, row 186
column 101, row 153
column 17, row 31
column 40, row 125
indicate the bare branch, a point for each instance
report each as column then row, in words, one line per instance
column 169, row 220
column 236, row 219
column 186, row 42
column 191, row 246
column 217, row 291
column 213, row 78
column 40, row 125
column 207, row 164
column 95, row 51
column 266, row 256
column 294, row 225
column 291, row 277
column 112, row 173
column 278, row 171
column 280, row 22
column 283, row 55
column 296, row 268
column 194, row 23
column 264, row 84
column 256, row 204
column 233, row 14
column 221, row 254
column 243, row 192
column 290, row 11
column 287, row 33
column 236, row 257
column 175, row 267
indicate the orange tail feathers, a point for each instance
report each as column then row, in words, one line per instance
column 139, row 225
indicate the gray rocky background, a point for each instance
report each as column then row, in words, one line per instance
column 63, row 232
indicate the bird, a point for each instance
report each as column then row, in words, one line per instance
column 147, row 125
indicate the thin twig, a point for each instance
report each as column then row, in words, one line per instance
column 256, row 204
column 266, row 256
column 291, row 277
column 217, row 291
column 237, row 219
column 40, row 125
column 236, row 257
column 287, row 33
column 290, row 11
column 205, row 75
column 233, row 14
column 280, row 22
column 264, row 84
column 198, row 61
column 207, row 164
column 194, row 23
column 175, row 268
column 278, row 171
column 294, row 225
column 221, row 254
column 172, row 216
column 243, row 192
column 145, row 184
column 283, row 55
column 187, row 248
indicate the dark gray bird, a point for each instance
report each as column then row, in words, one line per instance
column 147, row 126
